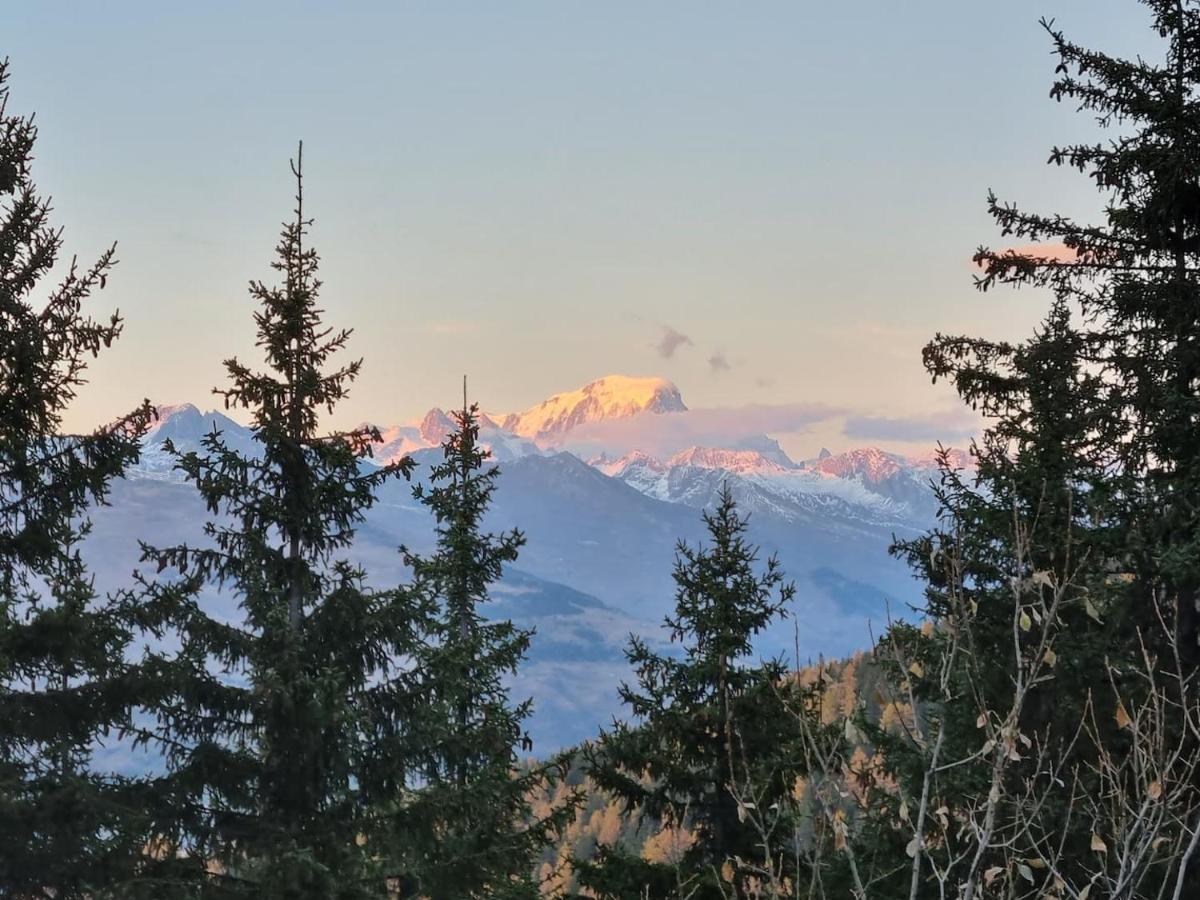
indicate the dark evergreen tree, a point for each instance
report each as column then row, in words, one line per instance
column 65, row 831
column 1095, row 444
column 1134, row 280
column 281, row 729
column 705, row 725
column 1029, row 514
column 471, row 814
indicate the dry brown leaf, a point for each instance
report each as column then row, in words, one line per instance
column 1122, row 717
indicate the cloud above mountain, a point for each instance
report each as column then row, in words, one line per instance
column 950, row 426
column 669, row 341
column 665, row 435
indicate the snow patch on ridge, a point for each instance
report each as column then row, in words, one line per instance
column 740, row 461
column 793, row 493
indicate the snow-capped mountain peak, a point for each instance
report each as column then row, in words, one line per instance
column 185, row 422
column 868, row 464
column 740, row 461
column 867, row 486
column 185, row 426
column 617, row 468
column 762, row 485
column 611, row 397
column 875, row 467
column 166, row 411
column 435, row 426
column 431, row 430
column 171, row 416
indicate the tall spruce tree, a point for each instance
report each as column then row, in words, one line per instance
column 1134, row 279
column 476, row 833
column 704, row 725
column 65, row 831
column 281, row 729
column 1137, row 284
column 1094, row 445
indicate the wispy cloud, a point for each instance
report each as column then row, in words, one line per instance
column 718, row 363
column 669, row 341
column 952, row 426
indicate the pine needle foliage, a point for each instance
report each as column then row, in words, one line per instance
column 1133, row 279
column 704, row 724
column 1089, row 468
column 281, row 727
column 65, row 831
column 471, row 813
column 1027, row 514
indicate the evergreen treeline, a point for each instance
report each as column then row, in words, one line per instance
column 1032, row 731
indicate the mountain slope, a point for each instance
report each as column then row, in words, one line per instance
column 601, row 536
column 576, row 657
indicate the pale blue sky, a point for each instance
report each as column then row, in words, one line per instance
column 530, row 192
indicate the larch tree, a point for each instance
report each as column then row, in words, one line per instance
column 67, row 832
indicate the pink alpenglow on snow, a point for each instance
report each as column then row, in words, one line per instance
column 611, row 397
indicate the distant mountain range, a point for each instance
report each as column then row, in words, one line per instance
column 601, row 529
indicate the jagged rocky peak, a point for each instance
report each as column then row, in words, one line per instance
column 184, row 422
column 740, row 461
column 611, row 397
column 634, row 459
column 435, row 426
column 955, row 457
column 868, row 464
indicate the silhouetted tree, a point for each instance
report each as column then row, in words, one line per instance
column 707, row 727
column 1083, row 504
column 65, row 831
column 471, row 812
column 1134, row 279
column 281, row 728
column 1027, row 516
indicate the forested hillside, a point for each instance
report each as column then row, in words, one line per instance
column 847, row 688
